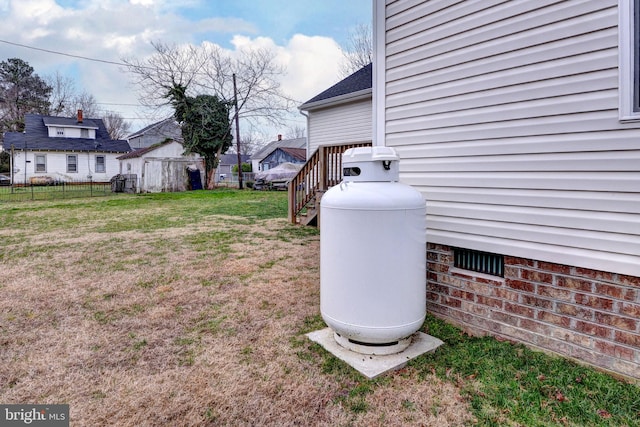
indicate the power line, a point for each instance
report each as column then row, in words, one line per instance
column 104, row 61
column 86, row 58
column 117, row 103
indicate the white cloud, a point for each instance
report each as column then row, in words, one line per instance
column 312, row 65
column 114, row 29
column 38, row 11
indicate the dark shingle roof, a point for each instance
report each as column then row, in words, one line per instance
column 169, row 124
column 232, row 159
column 36, row 137
column 66, row 121
column 360, row 80
column 296, row 153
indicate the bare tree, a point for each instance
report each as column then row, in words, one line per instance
column 169, row 67
column 83, row 101
column 66, row 100
column 295, row 131
column 259, row 95
column 63, row 91
column 117, row 127
column 209, row 69
column 359, row 50
column 250, row 143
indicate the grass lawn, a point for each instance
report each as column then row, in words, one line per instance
column 190, row 309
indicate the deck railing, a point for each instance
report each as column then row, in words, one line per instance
column 322, row 171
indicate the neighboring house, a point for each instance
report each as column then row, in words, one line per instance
column 259, row 156
column 63, row 149
column 155, row 134
column 342, row 113
column 520, row 124
column 283, row 155
column 226, row 164
column 161, row 168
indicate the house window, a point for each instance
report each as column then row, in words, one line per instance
column 100, row 164
column 59, row 131
column 480, row 262
column 636, row 56
column 84, row 133
column 72, row 163
column 629, row 46
column 41, row 163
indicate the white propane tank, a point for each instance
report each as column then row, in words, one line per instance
column 372, row 254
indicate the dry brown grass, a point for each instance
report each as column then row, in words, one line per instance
column 169, row 327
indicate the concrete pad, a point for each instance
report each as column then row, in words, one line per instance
column 372, row 366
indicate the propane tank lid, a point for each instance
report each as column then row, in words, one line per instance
column 370, row 164
column 369, row 154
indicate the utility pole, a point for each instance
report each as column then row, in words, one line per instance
column 235, row 97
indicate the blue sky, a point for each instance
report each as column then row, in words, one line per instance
column 281, row 19
column 306, row 36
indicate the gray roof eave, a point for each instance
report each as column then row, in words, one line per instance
column 337, row 100
column 79, row 126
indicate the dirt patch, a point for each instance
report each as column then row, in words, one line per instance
column 196, row 325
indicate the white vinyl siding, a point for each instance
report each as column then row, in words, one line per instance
column 56, row 166
column 506, row 117
column 71, row 132
column 340, row 124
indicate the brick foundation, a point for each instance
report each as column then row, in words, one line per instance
column 588, row 315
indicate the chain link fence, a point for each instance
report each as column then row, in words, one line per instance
column 51, row 190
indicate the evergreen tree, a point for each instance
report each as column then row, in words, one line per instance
column 21, row 92
column 205, row 126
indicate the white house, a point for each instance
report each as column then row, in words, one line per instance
column 63, row 149
column 161, row 167
column 342, row 113
column 519, row 122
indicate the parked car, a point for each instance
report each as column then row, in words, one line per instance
column 5, row 180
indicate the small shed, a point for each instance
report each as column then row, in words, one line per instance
column 161, row 167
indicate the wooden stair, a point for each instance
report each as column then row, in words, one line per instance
column 311, row 213
column 322, row 171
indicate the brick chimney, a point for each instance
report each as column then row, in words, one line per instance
column 79, row 116
column 279, row 137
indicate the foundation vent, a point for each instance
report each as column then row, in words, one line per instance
column 480, row 262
